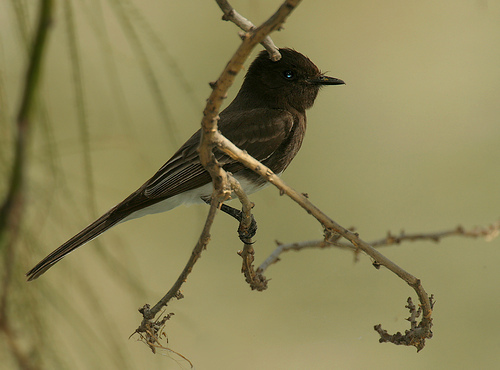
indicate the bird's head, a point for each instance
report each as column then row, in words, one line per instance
column 291, row 81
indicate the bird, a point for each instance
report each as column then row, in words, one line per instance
column 267, row 119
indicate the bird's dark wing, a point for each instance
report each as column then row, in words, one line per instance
column 259, row 131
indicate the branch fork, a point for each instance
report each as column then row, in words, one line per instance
column 225, row 184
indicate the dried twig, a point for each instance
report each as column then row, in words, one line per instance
column 254, row 278
column 211, row 137
column 411, row 337
column 222, row 188
column 331, row 226
column 232, row 15
column 209, row 122
column 489, row 233
column 149, row 313
column 154, row 333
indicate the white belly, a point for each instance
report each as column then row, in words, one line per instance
column 189, row 197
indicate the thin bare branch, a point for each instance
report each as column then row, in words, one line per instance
column 246, row 205
column 331, row 226
column 255, row 279
column 487, row 232
column 222, row 188
column 210, row 119
column 232, row 15
column 150, row 313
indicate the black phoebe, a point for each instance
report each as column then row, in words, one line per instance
column 267, row 119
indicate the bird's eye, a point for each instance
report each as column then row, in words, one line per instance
column 288, row 74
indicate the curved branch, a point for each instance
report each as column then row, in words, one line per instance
column 222, row 186
column 149, row 313
column 488, row 233
column 332, row 227
column 254, row 278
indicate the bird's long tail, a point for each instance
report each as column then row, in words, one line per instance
column 92, row 231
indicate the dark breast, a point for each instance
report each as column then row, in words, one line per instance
column 285, row 153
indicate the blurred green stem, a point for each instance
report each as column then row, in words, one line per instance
column 10, row 209
column 12, row 205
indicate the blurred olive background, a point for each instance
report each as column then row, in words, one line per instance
column 410, row 142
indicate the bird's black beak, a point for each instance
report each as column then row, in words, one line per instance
column 325, row 80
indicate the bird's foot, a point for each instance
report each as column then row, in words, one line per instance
column 247, row 233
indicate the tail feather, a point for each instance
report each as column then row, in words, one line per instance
column 92, row 231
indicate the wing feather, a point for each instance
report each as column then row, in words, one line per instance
column 259, row 131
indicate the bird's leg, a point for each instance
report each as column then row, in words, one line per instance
column 244, row 234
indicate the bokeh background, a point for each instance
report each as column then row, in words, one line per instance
column 410, row 142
